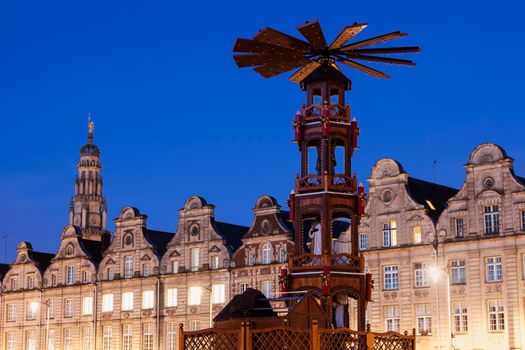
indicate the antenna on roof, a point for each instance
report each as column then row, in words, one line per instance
column 434, row 170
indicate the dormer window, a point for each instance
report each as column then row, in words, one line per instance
column 491, row 219
column 522, row 216
column 251, row 258
column 70, row 275
column 390, row 234
column 266, row 253
column 128, row 267
column 14, row 284
column 282, row 254
column 214, row 262
column 175, row 266
column 30, row 282
column 195, row 259
column 460, row 227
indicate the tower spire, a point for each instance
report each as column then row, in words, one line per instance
column 88, row 209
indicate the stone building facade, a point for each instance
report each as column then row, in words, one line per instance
column 130, row 289
column 447, row 261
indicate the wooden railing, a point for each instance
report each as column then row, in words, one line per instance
column 336, row 112
column 337, row 182
column 283, row 337
column 337, row 262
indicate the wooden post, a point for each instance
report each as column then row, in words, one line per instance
column 181, row 336
column 248, row 342
column 315, row 343
column 241, row 336
column 369, row 337
column 413, row 339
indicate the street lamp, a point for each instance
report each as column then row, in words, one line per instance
column 34, row 307
column 436, row 273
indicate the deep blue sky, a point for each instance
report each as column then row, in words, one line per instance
column 175, row 117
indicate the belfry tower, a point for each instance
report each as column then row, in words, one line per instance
column 88, row 207
column 326, row 193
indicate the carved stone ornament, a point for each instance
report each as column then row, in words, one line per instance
column 458, row 290
column 488, row 183
column 193, row 309
column 422, row 293
column 390, row 295
column 493, row 288
column 147, row 313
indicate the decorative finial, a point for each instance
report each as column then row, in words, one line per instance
column 91, row 128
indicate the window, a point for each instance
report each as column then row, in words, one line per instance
column 214, row 262
column 68, row 307
column 51, row 308
column 111, row 274
column 494, row 269
column 251, row 258
column 392, row 318
column 195, row 257
column 86, row 338
column 147, row 336
column 128, row 267
column 195, row 296
column 10, row 340
column 30, row 340
column 424, row 319
column 107, row 302
column 70, row 275
column 171, row 297
column 127, row 337
column 53, row 280
column 266, row 252
column 242, row 287
column 31, row 310
column 145, row 270
column 68, row 339
column 87, row 306
column 390, row 277
column 282, row 254
column 11, row 312
column 390, row 234
column 460, row 227
column 84, row 277
column 421, row 275
column 30, row 282
column 127, row 301
column 14, row 284
column 51, row 339
column 458, row 272
column 266, row 288
column 171, row 336
column 459, row 317
column 496, row 315
column 491, row 216
column 106, row 337
column 195, row 325
column 363, row 241
column 217, row 292
column 416, row 234
column 148, row 299
column 522, row 216
column 175, row 266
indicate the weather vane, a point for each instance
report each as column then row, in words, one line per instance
column 272, row 52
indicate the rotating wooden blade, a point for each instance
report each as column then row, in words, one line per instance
column 259, row 59
column 304, row 72
column 389, row 60
column 375, row 40
column 366, row 69
column 346, row 34
column 271, row 70
column 275, row 37
column 313, row 33
column 379, row 51
column 254, row 46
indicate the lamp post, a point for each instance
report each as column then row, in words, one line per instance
column 436, row 273
column 34, row 308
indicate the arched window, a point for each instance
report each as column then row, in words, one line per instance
column 266, row 253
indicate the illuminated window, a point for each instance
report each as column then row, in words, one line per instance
column 390, row 234
column 127, row 301
column 175, row 266
column 68, row 339
column 70, row 275
column 107, row 303
column 266, row 253
column 111, row 274
column 217, row 292
column 266, row 288
column 171, row 297
column 31, row 310
column 145, row 270
column 424, row 319
column 491, row 216
column 416, row 234
column 148, row 299
column 392, row 318
column 30, row 340
column 195, row 259
column 243, row 287
column 147, row 336
column 390, row 277
column 496, row 315
column 127, row 337
column 87, row 306
column 52, row 306
column 459, row 317
column 11, row 312
column 214, row 262
column 87, row 333
column 493, row 268
column 251, row 258
column 195, row 296
column 171, row 336
column 10, row 340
